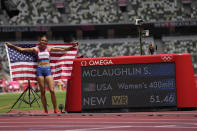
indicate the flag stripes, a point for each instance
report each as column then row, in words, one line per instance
column 23, row 64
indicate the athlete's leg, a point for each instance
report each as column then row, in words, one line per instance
column 41, row 83
column 50, row 82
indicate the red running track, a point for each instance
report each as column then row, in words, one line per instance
column 134, row 121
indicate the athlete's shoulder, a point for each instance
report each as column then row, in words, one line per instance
column 49, row 48
column 35, row 49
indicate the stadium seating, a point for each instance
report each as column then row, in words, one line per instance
column 35, row 13
column 4, row 70
column 112, row 47
column 100, row 12
column 1, row 22
column 95, row 12
column 152, row 11
column 182, row 44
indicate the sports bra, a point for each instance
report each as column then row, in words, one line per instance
column 43, row 55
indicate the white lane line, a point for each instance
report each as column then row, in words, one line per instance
column 91, row 122
column 108, row 118
column 102, row 128
column 45, row 126
column 112, row 127
column 167, row 126
column 38, row 130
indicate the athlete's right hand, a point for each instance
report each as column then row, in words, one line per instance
column 8, row 43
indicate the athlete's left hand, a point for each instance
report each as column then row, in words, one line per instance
column 76, row 43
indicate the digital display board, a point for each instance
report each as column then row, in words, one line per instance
column 128, row 85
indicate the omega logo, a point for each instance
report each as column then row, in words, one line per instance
column 96, row 62
column 83, row 63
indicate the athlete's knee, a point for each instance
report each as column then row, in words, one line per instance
column 52, row 91
column 42, row 92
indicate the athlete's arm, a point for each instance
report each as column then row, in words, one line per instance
column 33, row 49
column 63, row 48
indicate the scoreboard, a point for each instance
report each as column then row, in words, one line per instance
column 146, row 81
column 128, row 85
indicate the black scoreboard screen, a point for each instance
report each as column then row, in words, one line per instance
column 128, row 85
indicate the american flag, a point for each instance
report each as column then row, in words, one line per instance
column 23, row 64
